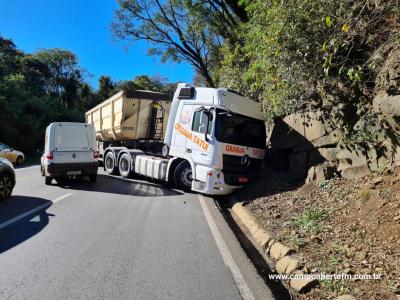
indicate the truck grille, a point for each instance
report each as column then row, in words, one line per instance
column 233, row 169
column 233, row 164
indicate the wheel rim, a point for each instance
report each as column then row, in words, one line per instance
column 5, row 186
column 186, row 177
column 109, row 163
column 124, row 165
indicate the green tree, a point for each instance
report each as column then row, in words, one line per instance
column 106, row 87
column 64, row 74
column 179, row 30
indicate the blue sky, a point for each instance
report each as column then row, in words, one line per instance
column 83, row 26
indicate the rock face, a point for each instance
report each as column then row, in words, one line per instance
column 307, row 139
column 389, row 106
column 320, row 173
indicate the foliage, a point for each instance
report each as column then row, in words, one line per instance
column 48, row 86
column 182, row 30
column 310, row 221
column 298, row 52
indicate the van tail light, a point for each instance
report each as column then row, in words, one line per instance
column 96, row 154
column 49, row 155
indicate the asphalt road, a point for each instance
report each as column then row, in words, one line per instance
column 118, row 239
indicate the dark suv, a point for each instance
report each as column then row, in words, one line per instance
column 7, row 179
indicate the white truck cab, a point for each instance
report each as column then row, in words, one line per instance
column 70, row 151
column 221, row 136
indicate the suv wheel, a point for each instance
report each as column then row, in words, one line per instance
column 6, row 186
column 20, row 160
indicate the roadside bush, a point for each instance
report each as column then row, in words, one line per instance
column 301, row 52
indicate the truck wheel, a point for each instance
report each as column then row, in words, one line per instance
column 109, row 163
column 48, row 180
column 183, row 176
column 125, row 165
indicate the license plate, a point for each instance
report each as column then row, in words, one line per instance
column 243, row 179
column 74, row 172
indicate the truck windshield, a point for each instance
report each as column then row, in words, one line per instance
column 240, row 130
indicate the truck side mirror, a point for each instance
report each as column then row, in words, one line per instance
column 203, row 123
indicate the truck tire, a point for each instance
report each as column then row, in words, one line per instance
column 183, row 176
column 110, row 164
column 125, row 165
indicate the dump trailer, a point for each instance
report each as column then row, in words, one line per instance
column 208, row 140
column 135, row 119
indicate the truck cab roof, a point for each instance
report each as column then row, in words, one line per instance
column 223, row 98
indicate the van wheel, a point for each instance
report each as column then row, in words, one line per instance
column 42, row 170
column 125, row 165
column 183, row 176
column 61, row 180
column 20, row 160
column 93, row 177
column 109, row 164
column 48, row 180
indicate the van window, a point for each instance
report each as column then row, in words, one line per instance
column 72, row 139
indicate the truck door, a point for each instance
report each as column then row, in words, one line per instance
column 201, row 124
column 182, row 133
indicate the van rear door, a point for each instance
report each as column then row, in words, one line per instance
column 74, row 143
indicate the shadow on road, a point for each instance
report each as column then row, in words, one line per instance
column 23, row 166
column 25, row 228
column 121, row 186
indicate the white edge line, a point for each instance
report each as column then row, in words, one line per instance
column 62, row 197
column 32, row 211
column 237, row 276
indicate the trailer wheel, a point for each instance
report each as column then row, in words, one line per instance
column 125, row 165
column 109, row 163
column 183, row 176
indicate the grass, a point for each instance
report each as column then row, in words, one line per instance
column 310, row 221
column 335, row 260
column 336, row 286
column 297, row 241
column 323, row 183
column 380, row 169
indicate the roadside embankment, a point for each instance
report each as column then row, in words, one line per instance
column 337, row 226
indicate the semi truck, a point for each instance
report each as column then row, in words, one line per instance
column 207, row 140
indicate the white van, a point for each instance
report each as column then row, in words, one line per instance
column 70, row 152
